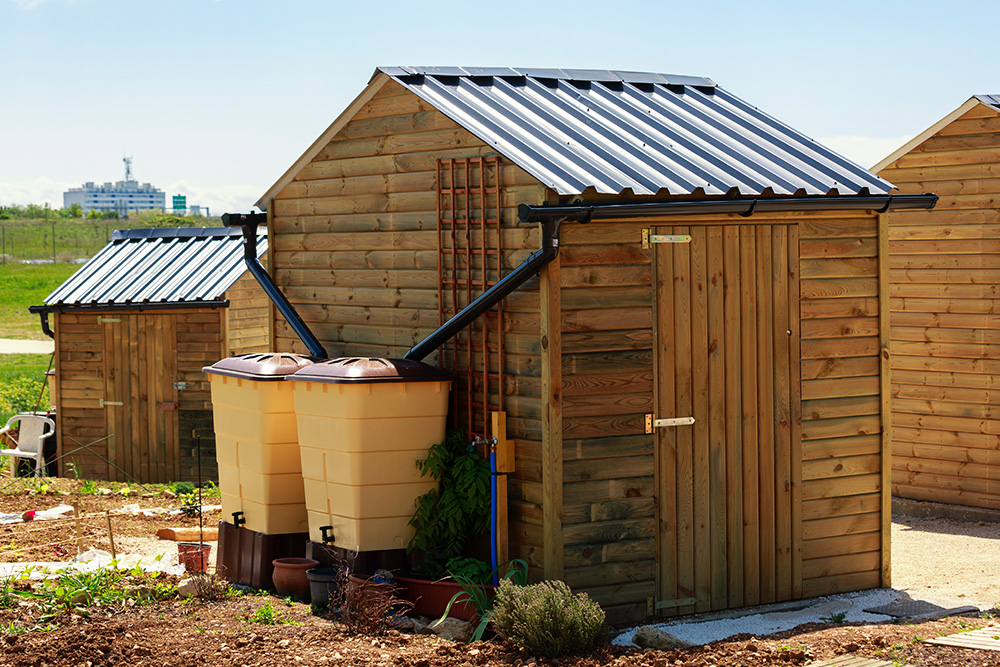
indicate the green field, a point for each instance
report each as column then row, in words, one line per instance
column 22, row 377
column 23, row 285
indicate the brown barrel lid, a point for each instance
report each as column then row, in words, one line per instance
column 366, row 370
column 260, row 366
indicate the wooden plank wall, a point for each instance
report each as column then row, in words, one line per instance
column 609, row 529
column 199, row 343
column 944, row 275
column 843, row 520
column 82, row 374
column 247, row 316
column 80, row 378
column 354, row 245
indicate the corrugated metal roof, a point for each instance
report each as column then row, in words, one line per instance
column 159, row 266
column 650, row 134
column 991, row 100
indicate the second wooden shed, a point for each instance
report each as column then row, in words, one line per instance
column 133, row 329
column 945, row 303
column 697, row 259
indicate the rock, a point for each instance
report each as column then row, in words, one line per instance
column 190, row 587
column 169, row 494
column 453, row 629
column 649, row 637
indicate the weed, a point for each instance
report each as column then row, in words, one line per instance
column 473, row 592
column 88, row 487
column 366, row 607
column 834, row 618
column 268, row 615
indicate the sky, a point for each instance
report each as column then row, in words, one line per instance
column 215, row 99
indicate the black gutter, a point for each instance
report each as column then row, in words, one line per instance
column 744, row 207
column 249, row 222
column 492, row 296
column 173, row 305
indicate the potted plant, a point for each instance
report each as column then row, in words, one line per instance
column 445, row 521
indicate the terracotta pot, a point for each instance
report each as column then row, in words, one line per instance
column 194, row 556
column 290, row 576
column 430, row 598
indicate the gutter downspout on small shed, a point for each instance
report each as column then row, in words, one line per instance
column 249, row 222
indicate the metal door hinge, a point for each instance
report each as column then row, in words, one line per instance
column 648, row 238
column 103, row 403
column 662, row 423
column 180, row 386
column 101, row 319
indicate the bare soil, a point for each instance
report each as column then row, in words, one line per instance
column 222, row 632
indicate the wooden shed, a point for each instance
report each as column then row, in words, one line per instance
column 944, row 275
column 709, row 262
column 133, row 329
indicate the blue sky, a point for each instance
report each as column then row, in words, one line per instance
column 216, row 98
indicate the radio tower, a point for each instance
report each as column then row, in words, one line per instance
column 128, row 168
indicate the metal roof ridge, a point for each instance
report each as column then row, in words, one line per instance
column 174, row 232
column 626, row 76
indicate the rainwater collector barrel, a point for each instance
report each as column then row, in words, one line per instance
column 363, row 422
column 257, row 442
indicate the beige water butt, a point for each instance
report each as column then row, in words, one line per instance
column 257, row 445
column 363, row 423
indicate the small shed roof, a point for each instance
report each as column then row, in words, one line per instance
column 163, row 266
column 611, row 132
column 992, row 101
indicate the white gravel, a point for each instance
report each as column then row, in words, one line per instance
column 712, row 627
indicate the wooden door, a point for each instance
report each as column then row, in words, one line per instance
column 140, row 358
column 728, row 486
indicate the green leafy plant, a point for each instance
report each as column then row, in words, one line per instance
column 268, row 615
column 459, row 509
column 834, row 618
column 469, row 569
column 475, row 592
column 189, row 504
column 88, row 487
column 547, row 619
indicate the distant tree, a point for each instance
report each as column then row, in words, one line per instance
column 75, row 211
column 35, row 211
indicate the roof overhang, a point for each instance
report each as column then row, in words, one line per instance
column 138, row 306
column 378, row 80
column 969, row 105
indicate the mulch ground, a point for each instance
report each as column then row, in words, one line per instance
column 228, row 631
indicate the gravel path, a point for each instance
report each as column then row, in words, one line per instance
column 18, row 346
column 946, row 562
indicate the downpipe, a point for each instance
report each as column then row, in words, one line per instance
column 249, row 222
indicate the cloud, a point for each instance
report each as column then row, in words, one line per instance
column 866, row 151
column 39, row 191
column 28, row 4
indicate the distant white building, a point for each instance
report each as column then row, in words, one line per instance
column 123, row 197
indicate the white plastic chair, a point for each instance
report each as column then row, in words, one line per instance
column 30, row 440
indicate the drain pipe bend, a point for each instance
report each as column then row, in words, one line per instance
column 249, row 223
column 463, row 318
column 44, row 316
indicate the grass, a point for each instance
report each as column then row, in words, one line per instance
column 23, row 285
column 22, row 377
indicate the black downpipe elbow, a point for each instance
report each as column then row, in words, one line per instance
column 249, row 224
column 44, row 317
column 463, row 318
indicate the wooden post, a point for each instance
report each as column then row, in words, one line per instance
column 111, row 535
column 886, row 393
column 504, row 465
column 79, row 534
column 552, row 423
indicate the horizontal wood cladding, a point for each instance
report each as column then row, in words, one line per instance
column 944, row 274
column 841, row 393
column 246, row 319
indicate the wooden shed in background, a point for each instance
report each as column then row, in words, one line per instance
column 767, row 327
column 945, row 310
column 133, row 329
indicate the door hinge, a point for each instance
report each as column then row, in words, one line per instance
column 101, row 319
column 663, row 423
column 648, row 238
column 103, row 403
